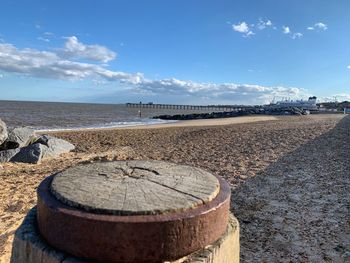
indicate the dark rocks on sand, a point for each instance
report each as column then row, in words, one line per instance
column 7, row 155
column 19, row 137
column 23, row 145
column 3, row 132
column 229, row 114
column 29, row 154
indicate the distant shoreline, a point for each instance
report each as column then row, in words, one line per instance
column 185, row 123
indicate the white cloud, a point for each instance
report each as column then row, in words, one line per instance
column 222, row 91
column 263, row 24
column 297, row 35
column 321, row 26
column 75, row 49
column 50, row 64
column 46, row 64
column 217, row 92
column 243, row 28
column 247, row 29
column 340, row 97
column 49, row 34
column 43, row 39
column 286, row 29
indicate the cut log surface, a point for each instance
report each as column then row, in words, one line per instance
column 134, row 187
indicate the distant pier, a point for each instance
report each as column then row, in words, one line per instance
column 188, row 107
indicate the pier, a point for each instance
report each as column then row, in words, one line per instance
column 189, row 107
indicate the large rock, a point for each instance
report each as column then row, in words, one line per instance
column 44, row 147
column 55, row 146
column 19, row 137
column 7, row 155
column 3, row 132
column 30, row 154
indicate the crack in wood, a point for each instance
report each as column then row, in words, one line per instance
column 176, row 190
column 125, row 193
column 103, row 174
column 145, row 169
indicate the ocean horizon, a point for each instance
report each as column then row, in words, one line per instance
column 58, row 116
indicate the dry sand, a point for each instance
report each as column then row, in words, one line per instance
column 289, row 175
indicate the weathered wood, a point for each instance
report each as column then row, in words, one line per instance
column 134, row 187
column 224, row 250
column 130, row 238
column 29, row 247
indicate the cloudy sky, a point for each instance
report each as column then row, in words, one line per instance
column 184, row 51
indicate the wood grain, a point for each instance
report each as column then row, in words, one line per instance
column 134, row 187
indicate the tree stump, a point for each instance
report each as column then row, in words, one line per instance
column 132, row 211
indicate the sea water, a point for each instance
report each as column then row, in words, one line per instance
column 63, row 116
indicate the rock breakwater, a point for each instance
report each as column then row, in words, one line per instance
column 22, row 144
column 229, row 114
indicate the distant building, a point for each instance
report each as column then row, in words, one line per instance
column 309, row 104
column 347, row 110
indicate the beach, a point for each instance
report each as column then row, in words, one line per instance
column 289, row 177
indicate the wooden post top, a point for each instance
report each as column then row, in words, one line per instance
column 134, row 187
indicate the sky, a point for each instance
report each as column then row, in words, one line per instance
column 184, row 51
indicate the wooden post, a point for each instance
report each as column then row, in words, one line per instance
column 130, row 211
column 29, row 246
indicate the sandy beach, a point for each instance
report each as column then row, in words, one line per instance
column 187, row 123
column 289, row 177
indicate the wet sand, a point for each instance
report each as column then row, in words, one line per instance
column 269, row 164
column 188, row 123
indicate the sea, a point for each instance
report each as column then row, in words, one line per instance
column 56, row 116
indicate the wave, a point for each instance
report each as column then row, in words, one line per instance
column 118, row 124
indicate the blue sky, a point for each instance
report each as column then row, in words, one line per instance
column 195, row 52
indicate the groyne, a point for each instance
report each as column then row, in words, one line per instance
column 237, row 113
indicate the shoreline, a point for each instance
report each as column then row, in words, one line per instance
column 185, row 123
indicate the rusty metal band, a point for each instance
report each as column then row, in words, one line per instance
column 137, row 238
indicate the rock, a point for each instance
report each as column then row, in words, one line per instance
column 55, row 146
column 19, row 137
column 30, row 154
column 3, row 132
column 5, row 156
column 44, row 147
